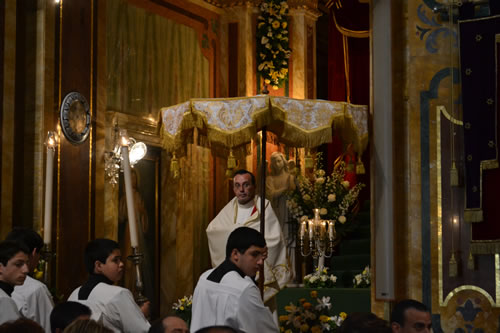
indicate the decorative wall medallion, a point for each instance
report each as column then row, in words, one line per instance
column 75, row 117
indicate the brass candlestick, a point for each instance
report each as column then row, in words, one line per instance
column 136, row 257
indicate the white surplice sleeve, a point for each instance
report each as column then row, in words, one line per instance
column 253, row 315
column 8, row 310
column 124, row 313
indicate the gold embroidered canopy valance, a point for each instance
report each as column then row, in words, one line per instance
column 235, row 121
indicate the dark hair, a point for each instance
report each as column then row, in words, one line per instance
column 98, row 250
column 364, row 322
column 65, row 313
column 244, row 172
column 86, row 326
column 24, row 325
column 216, row 329
column 242, row 238
column 399, row 310
column 10, row 248
column 27, row 236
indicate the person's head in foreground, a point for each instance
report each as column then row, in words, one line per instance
column 86, row 326
column 169, row 324
column 217, row 329
column 409, row 316
column 364, row 322
column 102, row 256
column 246, row 248
column 244, row 186
column 32, row 240
column 65, row 313
column 24, row 325
column 13, row 262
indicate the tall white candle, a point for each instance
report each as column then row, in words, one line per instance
column 311, row 229
column 132, row 225
column 49, row 177
column 302, row 229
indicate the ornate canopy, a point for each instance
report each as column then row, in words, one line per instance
column 235, row 121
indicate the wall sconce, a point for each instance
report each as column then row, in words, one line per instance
column 113, row 159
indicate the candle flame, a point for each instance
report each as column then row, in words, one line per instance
column 124, row 141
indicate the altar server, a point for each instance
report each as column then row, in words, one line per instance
column 33, row 298
column 228, row 295
column 13, row 272
column 244, row 210
column 112, row 305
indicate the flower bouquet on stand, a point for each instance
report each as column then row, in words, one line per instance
column 320, row 279
column 183, row 308
column 332, row 194
column 363, row 279
column 303, row 316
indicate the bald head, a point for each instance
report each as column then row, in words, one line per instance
column 174, row 324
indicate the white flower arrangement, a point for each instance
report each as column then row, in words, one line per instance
column 362, row 280
column 273, row 51
column 332, row 194
column 320, row 279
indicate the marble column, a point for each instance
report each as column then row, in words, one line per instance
column 302, row 21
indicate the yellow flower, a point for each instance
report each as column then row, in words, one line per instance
column 304, row 328
column 324, row 318
column 275, row 87
column 343, row 315
column 314, row 294
column 276, row 24
column 284, row 24
column 342, row 219
column 267, row 81
column 307, row 305
column 316, row 329
column 325, row 270
column 283, row 318
column 181, row 308
column 260, row 24
column 38, row 274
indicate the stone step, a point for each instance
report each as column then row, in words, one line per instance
column 350, row 262
column 354, row 246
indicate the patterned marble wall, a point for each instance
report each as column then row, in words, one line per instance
column 428, row 78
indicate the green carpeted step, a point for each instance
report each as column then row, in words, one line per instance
column 354, row 246
column 350, row 262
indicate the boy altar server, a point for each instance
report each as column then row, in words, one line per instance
column 112, row 305
column 33, row 299
column 227, row 295
column 13, row 272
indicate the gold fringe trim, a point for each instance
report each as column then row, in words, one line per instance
column 453, row 174
column 473, row 215
column 485, row 247
column 470, row 262
column 275, row 118
column 360, row 168
column 452, row 266
column 489, row 164
column 174, row 168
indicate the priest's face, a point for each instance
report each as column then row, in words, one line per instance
column 244, row 188
column 14, row 273
column 415, row 322
column 251, row 260
column 113, row 267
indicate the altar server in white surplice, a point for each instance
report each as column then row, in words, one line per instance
column 33, row 298
column 227, row 295
column 111, row 305
column 13, row 272
column 244, row 210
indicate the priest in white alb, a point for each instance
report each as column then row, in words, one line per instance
column 244, row 210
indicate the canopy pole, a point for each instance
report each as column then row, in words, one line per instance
column 263, row 171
